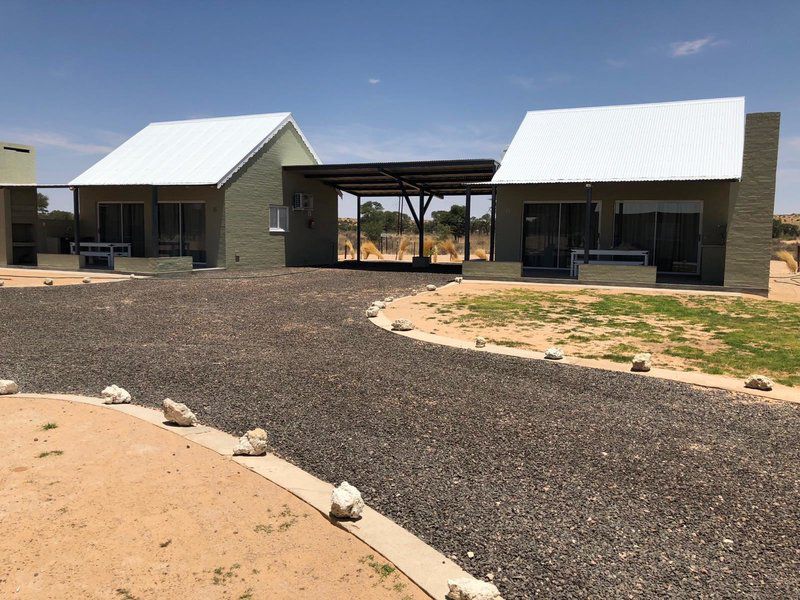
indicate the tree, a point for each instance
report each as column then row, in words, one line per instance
column 781, row 229
column 42, row 203
column 372, row 220
column 450, row 222
column 481, row 224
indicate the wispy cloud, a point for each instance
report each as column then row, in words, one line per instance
column 615, row 63
column 374, row 81
column 539, row 83
column 56, row 140
column 359, row 142
column 689, row 47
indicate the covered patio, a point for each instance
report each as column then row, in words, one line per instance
column 416, row 183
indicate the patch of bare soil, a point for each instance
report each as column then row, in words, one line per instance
column 439, row 312
column 106, row 506
column 16, row 277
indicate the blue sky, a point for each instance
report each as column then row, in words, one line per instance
column 380, row 80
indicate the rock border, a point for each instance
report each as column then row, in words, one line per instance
column 426, row 567
column 721, row 382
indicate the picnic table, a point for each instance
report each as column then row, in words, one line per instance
column 105, row 250
column 630, row 257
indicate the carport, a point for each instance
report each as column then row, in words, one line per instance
column 423, row 180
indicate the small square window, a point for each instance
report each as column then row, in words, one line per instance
column 279, row 218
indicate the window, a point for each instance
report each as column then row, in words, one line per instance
column 670, row 231
column 278, row 218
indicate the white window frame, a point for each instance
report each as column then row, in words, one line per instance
column 276, row 226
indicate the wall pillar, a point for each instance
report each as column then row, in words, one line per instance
column 749, row 236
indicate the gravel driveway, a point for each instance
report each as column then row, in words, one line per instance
column 563, row 481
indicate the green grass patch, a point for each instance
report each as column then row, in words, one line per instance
column 742, row 335
column 49, row 426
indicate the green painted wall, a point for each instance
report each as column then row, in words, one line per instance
column 713, row 194
column 259, row 184
column 750, row 212
column 17, row 163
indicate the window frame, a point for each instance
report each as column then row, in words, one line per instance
column 278, row 209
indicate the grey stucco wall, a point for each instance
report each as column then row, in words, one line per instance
column 713, row 194
column 750, row 214
column 248, row 197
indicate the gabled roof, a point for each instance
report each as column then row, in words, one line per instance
column 691, row 140
column 194, row 152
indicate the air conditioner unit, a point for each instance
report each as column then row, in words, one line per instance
column 302, row 201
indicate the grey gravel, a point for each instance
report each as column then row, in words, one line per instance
column 563, row 481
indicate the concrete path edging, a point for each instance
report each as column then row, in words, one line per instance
column 779, row 392
column 422, row 564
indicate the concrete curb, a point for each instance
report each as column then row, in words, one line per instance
column 426, row 567
column 779, row 392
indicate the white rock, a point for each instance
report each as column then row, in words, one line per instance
column 430, row 287
column 87, row 280
column 7, row 386
column 379, row 303
column 759, row 382
column 178, row 413
column 48, row 281
column 641, row 362
column 554, row 353
column 480, row 342
column 114, row 394
column 252, row 443
column 402, row 325
column 346, row 502
column 459, row 279
column 414, row 292
column 470, row 554
column 133, row 276
column 388, row 299
column 373, row 311
column 472, row 589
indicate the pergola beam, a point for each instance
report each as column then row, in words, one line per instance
column 417, row 186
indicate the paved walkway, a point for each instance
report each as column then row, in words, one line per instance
column 560, row 480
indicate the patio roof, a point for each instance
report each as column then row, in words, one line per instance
column 439, row 178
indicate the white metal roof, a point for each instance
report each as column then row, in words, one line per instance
column 194, row 152
column 696, row 139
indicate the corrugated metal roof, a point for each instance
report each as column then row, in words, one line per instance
column 194, row 152
column 697, row 139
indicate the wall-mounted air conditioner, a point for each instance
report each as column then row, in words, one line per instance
column 302, row 201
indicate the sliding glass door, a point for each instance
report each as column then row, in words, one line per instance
column 119, row 222
column 670, row 231
column 182, row 230
column 551, row 230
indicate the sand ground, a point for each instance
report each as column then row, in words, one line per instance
column 17, row 277
column 130, row 511
column 784, row 285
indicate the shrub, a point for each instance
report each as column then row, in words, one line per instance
column 481, row 254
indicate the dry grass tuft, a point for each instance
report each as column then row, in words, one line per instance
column 402, row 247
column 449, row 247
column 430, row 249
column 481, row 254
column 348, row 249
column 787, row 257
column 368, row 249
